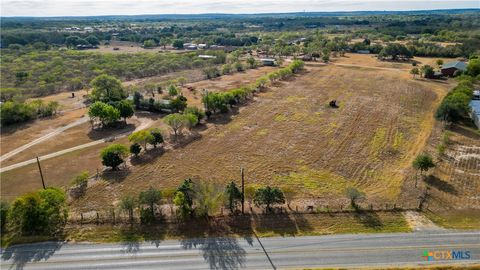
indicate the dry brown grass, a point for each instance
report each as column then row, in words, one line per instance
column 288, row 136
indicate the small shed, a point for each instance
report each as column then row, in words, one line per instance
column 475, row 105
column 449, row 68
column 268, row 61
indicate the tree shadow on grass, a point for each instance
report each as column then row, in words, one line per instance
column 115, row 176
column 148, row 156
column 110, row 132
column 281, row 224
column 369, row 219
column 20, row 255
column 441, row 185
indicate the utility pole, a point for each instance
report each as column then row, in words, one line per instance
column 41, row 174
column 243, row 191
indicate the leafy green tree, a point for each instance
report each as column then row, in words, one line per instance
column 178, row 44
column 192, row 120
column 176, row 122
column 439, row 62
column 268, row 196
column 128, row 204
column 414, row 71
column 135, row 149
column 137, row 98
column 208, row 198
column 196, row 111
column 251, row 62
column 107, row 114
column 427, row 71
column 12, row 112
column 182, row 80
column 149, row 43
column 150, row 197
column 141, row 137
column 455, row 106
column 184, row 197
column 353, row 194
column 473, row 67
column 37, row 213
column 157, row 137
column 125, row 108
column 4, row 208
column 234, row 196
column 113, row 155
column 172, row 90
column 107, row 89
column 92, row 40
column 73, row 41
column 179, row 103
column 422, row 163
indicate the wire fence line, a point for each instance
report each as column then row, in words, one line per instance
column 165, row 214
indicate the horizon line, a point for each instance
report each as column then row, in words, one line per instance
column 260, row 13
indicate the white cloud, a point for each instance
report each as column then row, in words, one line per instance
column 128, row 7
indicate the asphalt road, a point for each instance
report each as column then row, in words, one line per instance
column 362, row 250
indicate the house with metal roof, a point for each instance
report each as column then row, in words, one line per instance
column 475, row 105
column 449, row 69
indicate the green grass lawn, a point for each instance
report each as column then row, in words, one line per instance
column 456, row 219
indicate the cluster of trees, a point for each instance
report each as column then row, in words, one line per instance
column 37, row 213
column 13, row 112
column 110, row 104
column 190, row 117
column 200, row 198
column 395, row 51
column 143, row 138
column 39, row 73
column 108, row 114
column 455, row 105
column 426, row 71
column 220, row 101
column 74, row 41
column 174, row 101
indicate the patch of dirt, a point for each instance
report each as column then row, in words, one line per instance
column 419, row 222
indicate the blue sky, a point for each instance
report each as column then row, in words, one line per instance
column 134, row 7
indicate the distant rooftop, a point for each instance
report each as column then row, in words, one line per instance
column 456, row 64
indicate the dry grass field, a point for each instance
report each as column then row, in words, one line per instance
column 454, row 185
column 289, row 136
column 87, row 159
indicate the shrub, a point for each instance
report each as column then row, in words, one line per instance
column 4, row 208
column 79, row 185
column 113, row 155
column 37, row 213
column 157, row 137
column 135, row 149
column 268, row 196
